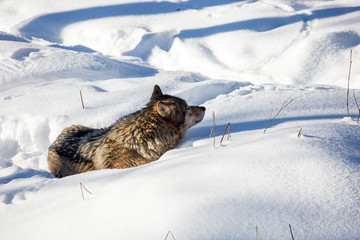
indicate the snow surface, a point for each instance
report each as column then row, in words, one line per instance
column 241, row 60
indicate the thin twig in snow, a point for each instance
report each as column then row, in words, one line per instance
column 82, row 102
column 357, row 104
column 169, row 233
column 285, row 104
column 213, row 129
column 81, row 188
column 228, row 130
column 348, row 89
column 292, row 235
column 229, row 136
column 256, row 231
column 299, row 133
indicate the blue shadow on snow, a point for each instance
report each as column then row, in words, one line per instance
column 52, row 24
column 265, row 24
column 24, row 173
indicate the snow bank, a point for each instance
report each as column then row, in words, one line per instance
column 261, row 42
column 26, row 61
column 200, row 192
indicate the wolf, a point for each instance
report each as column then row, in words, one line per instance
column 136, row 139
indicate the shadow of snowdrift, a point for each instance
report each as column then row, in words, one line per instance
column 52, row 24
column 343, row 140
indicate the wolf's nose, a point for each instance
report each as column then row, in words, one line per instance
column 203, row 108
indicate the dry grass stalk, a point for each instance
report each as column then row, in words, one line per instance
column 81, row 188
column 169, row 234
column 257, row 233
column 229, row 136
column 285, row 104
column 82, row 101
column 299, row 133
column 348, row 89
column 357, row 104
column 214, row 126
column 292, row 235
column 212, row 133
column 227, row 129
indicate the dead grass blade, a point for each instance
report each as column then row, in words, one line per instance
column 81, row 188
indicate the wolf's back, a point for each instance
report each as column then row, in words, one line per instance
column 66, row 155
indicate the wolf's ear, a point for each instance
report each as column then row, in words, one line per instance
column 156, row 92
column 165, row 109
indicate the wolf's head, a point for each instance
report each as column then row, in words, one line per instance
column 175, row 110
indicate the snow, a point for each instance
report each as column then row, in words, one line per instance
column 241, row 60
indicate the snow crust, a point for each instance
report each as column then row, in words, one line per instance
column 242, row 60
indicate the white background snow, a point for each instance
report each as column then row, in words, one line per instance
column 241, row 60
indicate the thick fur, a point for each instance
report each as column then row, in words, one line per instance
column 134, row 140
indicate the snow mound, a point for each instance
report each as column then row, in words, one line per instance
column 203, row 192
column 23, row 60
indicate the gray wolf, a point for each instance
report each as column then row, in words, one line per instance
column 136, row 139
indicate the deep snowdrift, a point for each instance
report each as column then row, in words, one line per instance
column 239, row 59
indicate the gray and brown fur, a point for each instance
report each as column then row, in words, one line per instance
column 136, row 139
